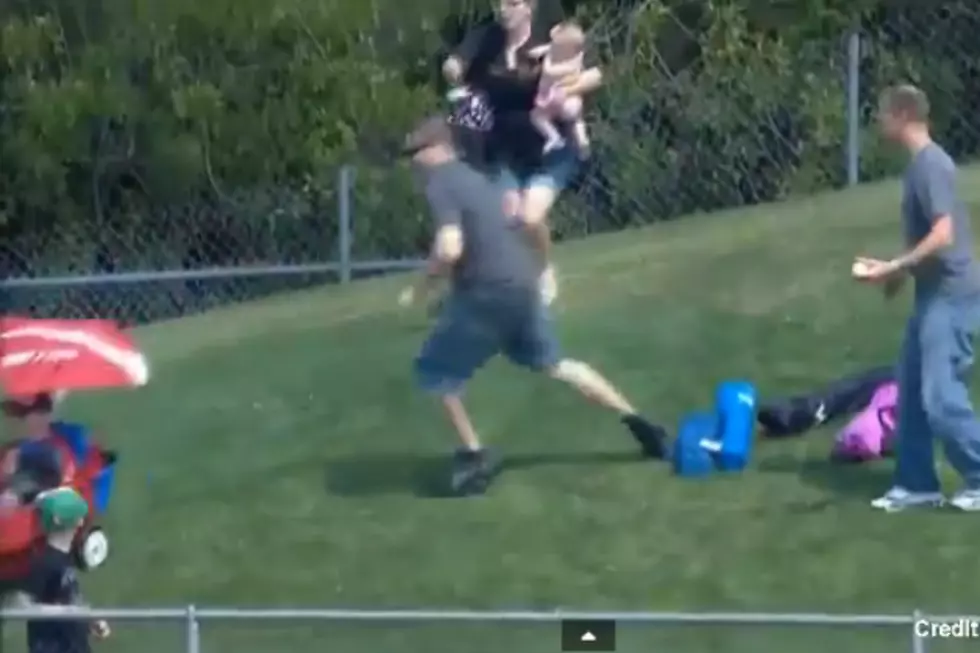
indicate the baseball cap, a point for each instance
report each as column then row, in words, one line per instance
column 61, row 509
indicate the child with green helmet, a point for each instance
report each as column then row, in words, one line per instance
column 53, row 580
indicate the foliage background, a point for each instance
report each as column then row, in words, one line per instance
column 147, row 135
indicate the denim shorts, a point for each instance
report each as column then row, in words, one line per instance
column 556, row 172
column 477, row 324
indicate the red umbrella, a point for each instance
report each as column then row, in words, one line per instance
column 39, row 356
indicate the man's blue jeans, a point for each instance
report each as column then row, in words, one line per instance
column 477, row 324
column 934, row 400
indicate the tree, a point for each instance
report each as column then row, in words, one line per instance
column 137, row 134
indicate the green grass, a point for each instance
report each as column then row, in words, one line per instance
column 281, row 457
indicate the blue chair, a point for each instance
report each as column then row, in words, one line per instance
column 695, row 445
column 735, row 403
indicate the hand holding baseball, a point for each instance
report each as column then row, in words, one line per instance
column 874, row 270
column 860, row 269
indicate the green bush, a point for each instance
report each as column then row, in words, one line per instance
column 143, row 135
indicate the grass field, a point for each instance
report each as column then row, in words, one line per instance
column 281, row 457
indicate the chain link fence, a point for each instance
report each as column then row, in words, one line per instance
column 271, row 631
column 178, row 260
column 935, row 47
column 700, row 112
column 678, row 133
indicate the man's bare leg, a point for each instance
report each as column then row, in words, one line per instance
column 595, row 387
column 592, row 385
column 473, row 466
column 460, row 420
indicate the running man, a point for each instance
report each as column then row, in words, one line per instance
column 937, row 352
column 494, row 305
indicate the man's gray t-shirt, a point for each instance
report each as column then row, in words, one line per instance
column 930, row 193
column 495, row 252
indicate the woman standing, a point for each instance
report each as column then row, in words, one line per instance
column 499, row 61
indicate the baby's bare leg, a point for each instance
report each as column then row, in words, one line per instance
column 542, row 121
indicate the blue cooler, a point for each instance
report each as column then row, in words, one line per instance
column 735, row 402
column 695, row 445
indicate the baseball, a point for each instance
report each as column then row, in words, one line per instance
column 860, row 270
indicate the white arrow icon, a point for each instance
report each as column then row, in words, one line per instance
column 588, row 637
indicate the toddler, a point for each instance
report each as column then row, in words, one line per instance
column 52, row 584
column 561, row 58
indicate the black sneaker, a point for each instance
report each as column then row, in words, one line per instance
column 473, row 472
column 652, row 438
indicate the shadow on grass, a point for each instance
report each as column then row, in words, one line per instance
column 427, row 475
column 856, row 481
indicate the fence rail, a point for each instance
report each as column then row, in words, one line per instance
column 188, row 289
column 193, row 618
column 676, row 131
column 299, row 250
column 85, row 293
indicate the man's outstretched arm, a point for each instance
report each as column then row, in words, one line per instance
column 447, row 248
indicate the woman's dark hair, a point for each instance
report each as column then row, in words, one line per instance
column 551, row 12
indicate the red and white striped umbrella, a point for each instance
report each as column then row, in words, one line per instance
column 39, row 356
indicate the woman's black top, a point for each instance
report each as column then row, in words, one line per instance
column 53, row 580
column 512, row 141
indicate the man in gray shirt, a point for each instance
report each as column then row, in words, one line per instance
column 937, row 352
column 494, row 305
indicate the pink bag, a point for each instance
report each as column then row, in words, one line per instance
column 871, row 433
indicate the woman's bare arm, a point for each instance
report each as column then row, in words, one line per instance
column 455, row 65
column 584, row 82
column 452, row 70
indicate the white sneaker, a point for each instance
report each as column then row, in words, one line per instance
column 898, row 499
column 966, row 500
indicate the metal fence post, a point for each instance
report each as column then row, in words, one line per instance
column 918, row 643
column 193, row 631
column 853, row 147
column 345, row 188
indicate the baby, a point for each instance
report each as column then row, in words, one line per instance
column 562, row 58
